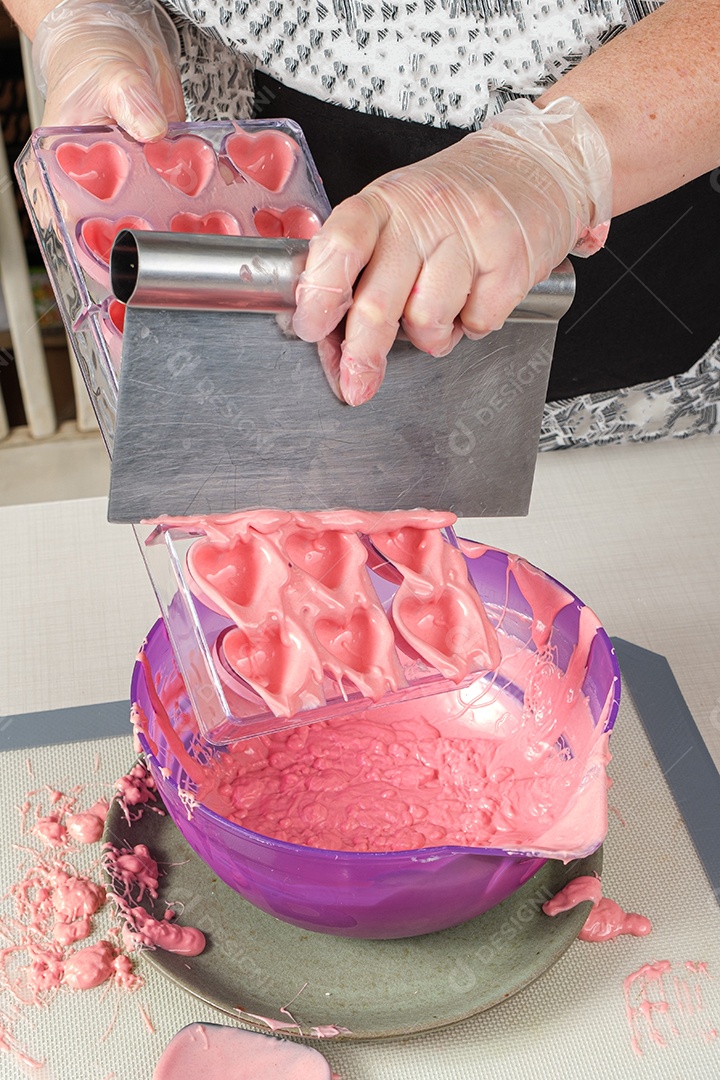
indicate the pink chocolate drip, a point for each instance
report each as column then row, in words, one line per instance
column 135, row 791
column 51, row 830
column 218, row 1053
column 143, row 929
column 132, row 869
column 90, row 966
column 606, row 920
column 545, row 596
column 86, row 826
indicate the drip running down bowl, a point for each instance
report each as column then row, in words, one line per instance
column 404, row 893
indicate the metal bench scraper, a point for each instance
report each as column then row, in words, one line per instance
column 218, row 410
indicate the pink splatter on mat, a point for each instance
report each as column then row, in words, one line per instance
column 58, row 934
column 664, row 1001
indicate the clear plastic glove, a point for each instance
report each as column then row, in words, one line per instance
column 110, row 61
column 450, row 245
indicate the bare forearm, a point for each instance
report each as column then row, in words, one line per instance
column 653, row 92
column 28, row 14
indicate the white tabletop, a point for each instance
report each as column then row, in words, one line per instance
column 633, row 531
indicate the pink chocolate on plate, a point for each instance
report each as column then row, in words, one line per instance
column 101, row 169
column 267, row 157
column 186, row 162
column 298, row 222
column 222, row 1053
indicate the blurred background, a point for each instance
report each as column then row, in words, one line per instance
column 49, row 444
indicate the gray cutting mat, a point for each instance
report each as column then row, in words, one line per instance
column 570, row 1022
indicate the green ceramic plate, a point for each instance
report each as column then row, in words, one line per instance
column 254, row 965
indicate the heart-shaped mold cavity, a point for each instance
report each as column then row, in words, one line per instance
column 297, row 222
column 186, row 162
column 116, row 313
column 216, row 223
column 328, row 556
column 101, row 168
column 267, row 157
column 97, row 234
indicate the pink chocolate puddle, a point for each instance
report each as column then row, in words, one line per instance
column 606, row 921
column 216, row 223
column 51, row 830
column 90, row 966
column 298, row 222
column 397, row 781
column 267, row 157
column 101, row 169
column 86, row 827
column 186, row 162
column 98, row 234
column 222, row 1053
column 143, row 929
column 135, row 791
column 297, row 588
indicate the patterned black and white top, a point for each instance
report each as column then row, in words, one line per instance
column 440, row 63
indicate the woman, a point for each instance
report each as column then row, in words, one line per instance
column 579, row 123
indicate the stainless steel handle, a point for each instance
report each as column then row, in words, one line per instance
column 250, row 273
column 206, row 273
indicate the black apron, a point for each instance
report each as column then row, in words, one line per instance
column 645, row 308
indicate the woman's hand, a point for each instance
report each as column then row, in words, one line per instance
column 450, row 245
column 110, row 61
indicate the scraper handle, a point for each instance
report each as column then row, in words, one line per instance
column 206, row 273
column 197, row 272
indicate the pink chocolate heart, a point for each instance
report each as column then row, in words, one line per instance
column 116, row 312
column 216, row 223
column 101, row 168
column 298, row 222
column 267, row 157
column 97, row 234
column 186, row 162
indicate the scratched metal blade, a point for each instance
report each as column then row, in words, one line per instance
column 220, row 411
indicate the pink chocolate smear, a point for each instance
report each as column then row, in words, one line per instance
column 664, row 1001
column 221, row 1053
column 606, row 920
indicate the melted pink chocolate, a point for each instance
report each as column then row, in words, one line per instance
column 51, row 830
column 54, row 907
column 133, row 868
column 143, row 929
column 218, row 1053
column 86, row 826
column 606, row 921
column 135, row 791
column 493, row 775
column 664, row 1001
column 75, row 897
column 575, row 892
column 90, row 966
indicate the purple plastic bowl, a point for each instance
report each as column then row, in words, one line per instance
column 363, row 894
